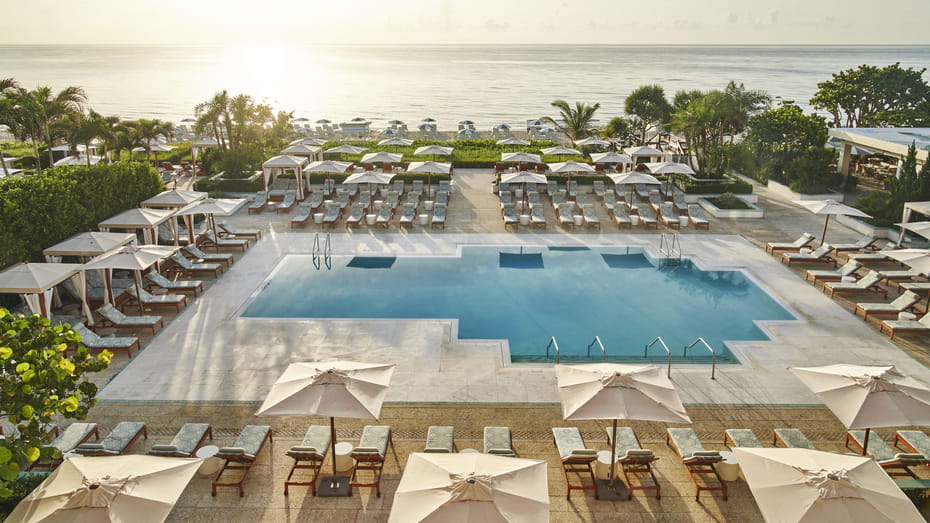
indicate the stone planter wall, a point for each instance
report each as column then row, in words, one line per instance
column 733, row 214
column 784, row 192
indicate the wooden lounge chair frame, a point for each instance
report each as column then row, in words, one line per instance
column 107, row 322
column 637, row 466
column 99, row 343
column 142, row 432
column 52, row 463
column 698, row 466
column 208, row 433
column 370, row 462
column 508, row 451
column 894, row 468
column 576, row 464
column 892, row 330
column 730, row 442
column 243, row 463
column 900, row 438
column 778, row 441
column 307, row 460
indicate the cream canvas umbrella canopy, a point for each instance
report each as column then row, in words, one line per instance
column 209, row 207
column 144, row 218
column 611, row 157
column 795, row 485
column 308, row 141
column 520, row 157
column 36, row 281
column 136, row 258
column 512, row 140
column 864, row 396
column 479, row 488
column 828, row 208
column 328, row 167
column 345, row 389
column 633, row 178
column 286, row 162
column 173, row 198
column 435, row 150
column 429, row 168
column 346, row 149
column 382, row 157
column 92, row 243
column 303, row 149
column 371, row 178
column 523, row 177
column 570, row 167
column 396, row 141
column 560, row 150
column 592, row 140
column 135, row 488
column 78, row 160
column 669, row 168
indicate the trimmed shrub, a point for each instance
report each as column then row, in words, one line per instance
column 697, row 186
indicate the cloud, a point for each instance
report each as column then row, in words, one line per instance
column 494, row 27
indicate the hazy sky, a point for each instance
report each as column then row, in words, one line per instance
column 466, row 21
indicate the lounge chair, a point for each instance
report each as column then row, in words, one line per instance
column 417, row 187
column 552, row 187
column 865, row 243
column 178, row 301
column 576, row 457
column 590, row 216
column 66, row 441
column 885, row 455
column 647, row 216
column 655, row 200
column 621, row 216
column 399, row 186
column 445, row 186
column 868, row 283
column 509, row 216
column 201, row 257
column 599, row 189
column 538, row 216
column 695, row 459
column 231, row 230
column 443, row 198
column 329, row 186
column 439, row 216
column 407, row 214
column 92, row 340
column 506, row 198
column 565, row 213
column 413, row 198
column 642, row 192
column 364, row 198
column 258, row 205
column 696, row 216
column 572, row 188
column 915, row 441
column 304, row 214
column 309, row 455
column 744, row 438
column 342, row 198
column 667, row 215
column 189, row 438
column 440, row 440
column 290, row 199
column 241, row 456
column 369, row 455
column 356, row 215
column 392, row 201
column 497, row 441
column 895, row 326
column 118, row 441
column 533, row 199
column 792, row 439
column 878, row 257
column 903, row 274
column 848, row 269
column 333, row 211
column 796, row 245
column 171, row 285
column 610, row 201
column 900, row 304
column 385, row 213
column 634, row 459
column 209, row 240
column 819, row 255
column 115, row 318
column 182, row 264
column 678, row 199
column 316, row 200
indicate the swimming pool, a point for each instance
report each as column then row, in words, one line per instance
column 527, row 295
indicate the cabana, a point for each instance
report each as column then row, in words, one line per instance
column 645, row 154
column 36, row 282
column 88, row 245
column 173, row 199
column 200, row 144
column 909, row 209
column 285, row 163
column 888, row 141
column 144, row 219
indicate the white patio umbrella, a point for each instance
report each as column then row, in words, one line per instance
column 863, row 396
column 479, row 488
column 570, row 167
column 434, row 150
column 633, row 178
column 346, row 389
column 133, row 487
column 396, row 141
column 824, row 487
column 346, row 149
column 523, row 177
column 328, row 167
column 173, row 198
column 209, row 207
column 602, row 391
column 78, row 160
column 921, row 228
column 429, row 168
column 592, row 140
column 611, row 157
column 520, row 157
column 303, row 149
column 382, row 157
column 512, row 140
column 308, row 141
column 560, row 150
column 669, row 168
column 135, row 258
column 828, row 208
column 67, row 148
column 371, row 178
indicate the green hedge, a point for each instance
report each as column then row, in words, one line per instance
column 218, row 184
column 39, row 211
column 697, row 186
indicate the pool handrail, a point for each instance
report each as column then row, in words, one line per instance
column 553, row 343
column 713, row 355
column 597, row 339
column 664, row 346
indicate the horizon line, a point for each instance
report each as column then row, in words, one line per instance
column 464, row 44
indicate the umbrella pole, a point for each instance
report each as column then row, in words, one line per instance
column 823, row 236
column 613, row 455
column 138, row 275
column 865, row 444
column 332, row 439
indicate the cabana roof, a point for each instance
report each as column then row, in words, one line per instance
column 90, row 244
column 891, row 141
column 141, row 218
column 33, row 278
column 174, row 198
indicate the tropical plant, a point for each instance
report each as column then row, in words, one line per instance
column 39, row 110
column 8, row 114
column 149, row 131
column 649, row 105
column 577, row 119
column 871, row 96
column 618, row 127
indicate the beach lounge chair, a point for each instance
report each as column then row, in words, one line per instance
column 369, row 456
column 385, row 213
column 667, row 215
column 171, row 285
column 329, row 186
column 399, row 186
column 316, row 201
column 895, row 326
column 439, row 216
column 506, row 198
column 865, row 243
column 118, row 441
column 558, row 198
column 898, row 275
column 92, row 340
column 392, row 201
column 552, row 187
column 241, row 456
column 885, row 455
column 309, row 455
column 745, row 438
column 182, row 264
column 696, row 216
column 847, row 269
column 66, row 441
column 900, row 304
column 538, row 216
column 356, row 215
column 408, row 214
column 509, row 215
column 877, row 257
column 533, row 199
column 342, row 198
column 442, row 198
column 634, row 459
column 565, row 213
column 868, row 283
column 440, row 440
column 655, row 200
column 696, row 460
column 610, row 201
column 209, row 240
column 113, row 317
column 915, row 441
column 230, row 230
column 497, row 441
column 189, row 438
column 819, row 255
column 413, row 198
column 590, row 216
column 257, row 205
column 792, row 439
column 796, row 245
column 417, row 187
column 678, row 199
column 364, row 199
column 621, row 216
column 647, row 216
column 201, row 257
column 642, row 192
column 445, row 186
column 304, row 214
column 178, row 301
column 288, row 203
column 572, row 188
column 576, row 458
column 599, row 189
column 333, row 211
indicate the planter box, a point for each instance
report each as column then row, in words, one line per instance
column 695, row 198
column 735, row 214
column 785, row 193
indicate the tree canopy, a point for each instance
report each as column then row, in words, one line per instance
column 577, row 119
column 648, row 104
column 870, row 96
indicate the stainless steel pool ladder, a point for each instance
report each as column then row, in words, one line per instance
column 322, row 251
column 597, row 340
column 664, row 346
column 669, row 250
column 553, row 343
column 713, row 355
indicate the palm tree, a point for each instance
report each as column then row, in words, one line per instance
column 577, row 119
column 741, row 104
column 8, row 115
column 214, row 115
column 45, row 107
column 703, row 124
column 648, row 103
column 150, row 131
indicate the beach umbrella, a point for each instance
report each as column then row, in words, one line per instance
column 344, row 389
column 592, row 140
column 303, row 149
column 155, row 147
column 612, row 157
column 828, row 208
column 466, row 122
column 513, row 140
column 520, row 156
column 467, row 133
column 388, row 132
column 323, row 121
column 382, row 157
column 173, row 198
column 435, row 150
column 669, row 168
column 479, row 488
column 67, row 148
column 328, row 167
column 602, row 391
column 136, row 258
column 428, row 120
column 560, row 150
column 346, row 149
column 78, row 160
column 209, row 207
column 370, row 177
column 429, row 168
column 395, row 122
column 132, row 487
column 823, row 487
column 866, row 397
column 358, row 119
column 396, row 141
column 523, row 177
column 308, row 141
column 633, row 178
column 570, row 167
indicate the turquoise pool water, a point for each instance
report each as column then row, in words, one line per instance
column 527, row 295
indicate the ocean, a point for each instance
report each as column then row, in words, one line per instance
column 485, row 83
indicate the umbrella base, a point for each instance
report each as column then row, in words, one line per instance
column 616, row 492
column 327, row 490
